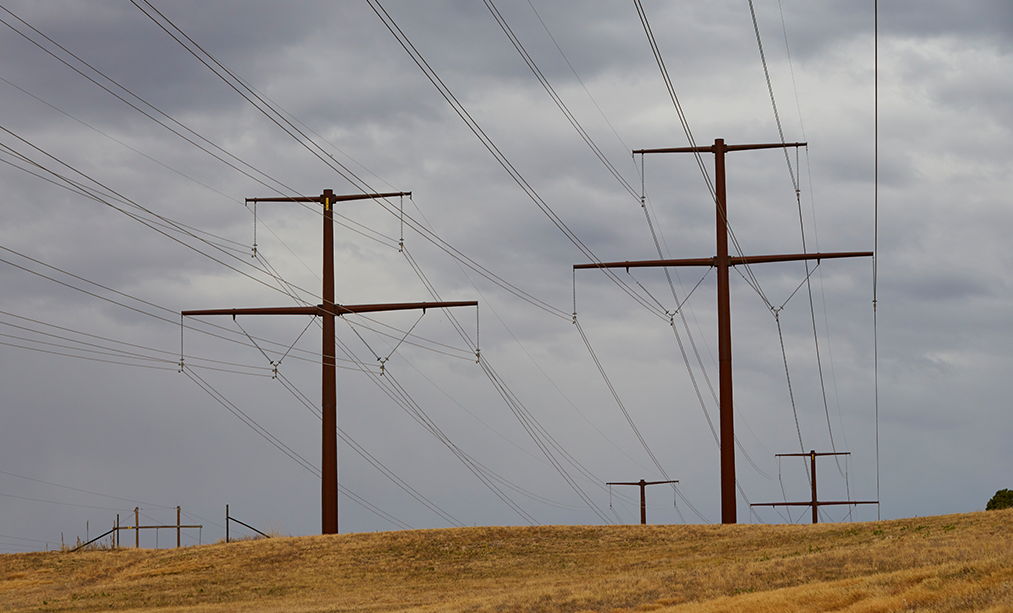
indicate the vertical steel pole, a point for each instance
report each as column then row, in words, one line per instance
column 117, row 531
column 329, row 461
column 226, row 523
column 812, row 460
column 137, row 527
column 643, row 502
column 727, row 427
column 177, row 527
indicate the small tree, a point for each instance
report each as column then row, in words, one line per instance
column 1003, row 499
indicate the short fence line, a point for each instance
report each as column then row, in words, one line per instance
column 228, row 519
column 137, row 527
column 93, row 540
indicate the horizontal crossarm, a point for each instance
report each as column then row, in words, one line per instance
column 810, row 454
column 732, row 260
column 330, row 197
column 341, row 309
column 809, row 504
column 337, row 309
column 712, row 148
column 794, row 257
column 308, row 310
column 650, row 263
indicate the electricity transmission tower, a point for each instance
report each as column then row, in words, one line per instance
column 643, row 494
column 327, row 311
column 815, row 502
column 722, row 261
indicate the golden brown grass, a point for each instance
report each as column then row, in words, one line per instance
column 947, row 563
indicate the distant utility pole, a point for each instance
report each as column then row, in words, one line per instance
column 328, row 311
column 722, row 261
column 643, row 494
column 815, row 502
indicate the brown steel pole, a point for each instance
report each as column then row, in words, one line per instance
column 812, row 459
column 726, row 421
column 329, row 461
column 643, row 502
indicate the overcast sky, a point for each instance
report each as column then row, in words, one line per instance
column 127, row 161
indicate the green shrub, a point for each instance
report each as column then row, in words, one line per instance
column 1003, row 499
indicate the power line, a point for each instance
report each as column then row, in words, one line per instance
column 542, row 439
column 268, row 109
column 400, row 396
column 615, row 395
column 515, row 41
column 795, row 185
column 770, row 90
column 142, row 102
column 249, row 421
column 83, row 190
column 83, row 491
column 491, row 147
column 359, row 449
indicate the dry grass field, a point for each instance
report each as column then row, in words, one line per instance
column 946, row 563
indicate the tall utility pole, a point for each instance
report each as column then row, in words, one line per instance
column 722, row 261
column 643, row 495
column 815, row 502
column 328, row 311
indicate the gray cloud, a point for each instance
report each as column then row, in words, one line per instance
column 153, row 437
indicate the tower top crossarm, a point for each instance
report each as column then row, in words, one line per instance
column 337, row 309
column 723, row 147
column 641, row 482
column 732, row 260
column 329, row 196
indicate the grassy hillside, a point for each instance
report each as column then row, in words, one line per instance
column 946, row 563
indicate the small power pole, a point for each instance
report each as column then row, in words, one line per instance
column 815, row 503
column 722, row 261
column 643, row 494
column 327, row 312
